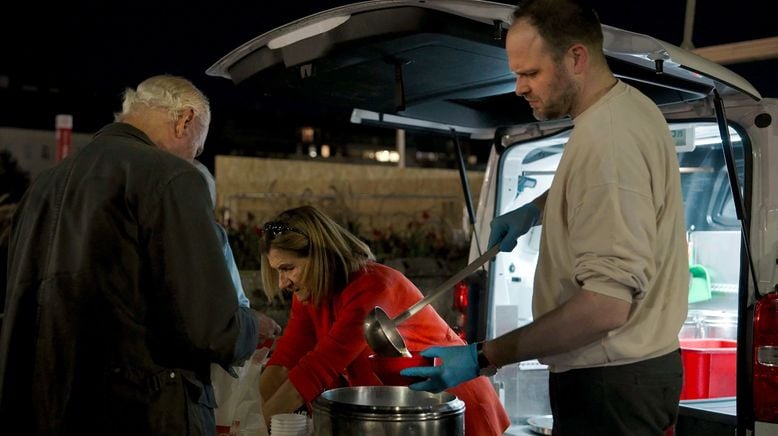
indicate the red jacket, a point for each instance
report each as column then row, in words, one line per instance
column 324, row 347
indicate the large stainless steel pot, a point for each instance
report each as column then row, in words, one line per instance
column 387, row 410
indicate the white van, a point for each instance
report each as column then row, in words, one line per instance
column 440, row 66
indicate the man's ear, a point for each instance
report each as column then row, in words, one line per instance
column 184, row 122
column 580, row 56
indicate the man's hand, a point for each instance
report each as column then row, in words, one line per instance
column 268, row 328
column 507, row 227
column 459, row 364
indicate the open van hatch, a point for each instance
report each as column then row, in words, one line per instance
column 439, row 62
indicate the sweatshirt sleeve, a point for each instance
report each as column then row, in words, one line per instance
column 612, row 225
column 613, row 245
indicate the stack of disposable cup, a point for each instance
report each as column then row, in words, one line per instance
column 289, row 424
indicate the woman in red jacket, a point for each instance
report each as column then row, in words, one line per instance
column 335, row 283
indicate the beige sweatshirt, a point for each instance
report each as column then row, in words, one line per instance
column 614, row 224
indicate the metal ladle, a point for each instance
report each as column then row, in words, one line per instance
column 381, row 331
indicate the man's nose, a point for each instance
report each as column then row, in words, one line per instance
column 521, row 87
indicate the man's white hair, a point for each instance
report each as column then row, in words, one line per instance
column 173, row 93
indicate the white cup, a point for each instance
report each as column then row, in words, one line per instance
column 289, row 424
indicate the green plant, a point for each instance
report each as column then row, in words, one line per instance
column 421, row 237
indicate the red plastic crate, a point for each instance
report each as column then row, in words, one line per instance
column 709, row 368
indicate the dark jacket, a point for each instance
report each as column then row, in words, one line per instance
column 118, row 297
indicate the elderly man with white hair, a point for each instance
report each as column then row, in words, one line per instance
column 119, row 298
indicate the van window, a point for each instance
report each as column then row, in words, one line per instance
column 713, row 234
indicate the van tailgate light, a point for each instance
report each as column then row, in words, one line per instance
column 461, row 291
column 766, row 359
column 460, row 296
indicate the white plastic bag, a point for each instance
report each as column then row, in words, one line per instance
column 239, row 404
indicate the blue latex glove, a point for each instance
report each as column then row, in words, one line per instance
column 507, row 227
column 459, row 364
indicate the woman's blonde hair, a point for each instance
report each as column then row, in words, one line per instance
column 333, row 252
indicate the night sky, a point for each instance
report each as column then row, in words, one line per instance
column 77, row 57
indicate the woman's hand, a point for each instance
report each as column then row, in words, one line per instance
column 286, row 399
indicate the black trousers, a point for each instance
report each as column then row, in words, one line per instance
column 635, row 399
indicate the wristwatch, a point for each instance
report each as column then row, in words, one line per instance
column 485, row 367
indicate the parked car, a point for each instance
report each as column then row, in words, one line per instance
column 440, row 66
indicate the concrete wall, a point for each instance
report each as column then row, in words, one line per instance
column 36, row 150
column 369, row 198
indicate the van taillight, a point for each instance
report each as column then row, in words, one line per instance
column 460, row 305
column 766, row 359
column 460, row 296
